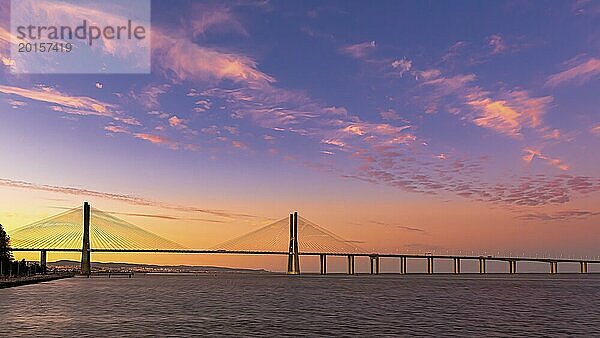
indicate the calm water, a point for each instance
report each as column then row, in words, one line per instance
column 274, row 305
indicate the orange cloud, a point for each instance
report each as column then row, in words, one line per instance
column 510, row 115
column 532, row 153
column 496, row 115
column 7, row 38
column 239, row 145
column 156, row 139
column 84, row 105
column 354, row 129
column 596, row 129
column 578, row 72
column 175, row 121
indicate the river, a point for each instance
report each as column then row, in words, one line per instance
column 277, row 305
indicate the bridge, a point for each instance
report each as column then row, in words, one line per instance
column 86, row 230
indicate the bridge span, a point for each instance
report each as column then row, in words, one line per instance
column 112, row 235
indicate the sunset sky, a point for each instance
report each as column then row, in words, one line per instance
column 409, row 126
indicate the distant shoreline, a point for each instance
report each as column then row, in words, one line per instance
column 19, row 281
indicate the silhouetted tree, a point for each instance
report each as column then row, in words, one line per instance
column 5, row 254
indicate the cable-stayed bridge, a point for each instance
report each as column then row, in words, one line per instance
column 86, row 230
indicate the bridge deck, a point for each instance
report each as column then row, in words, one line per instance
column 243, row 252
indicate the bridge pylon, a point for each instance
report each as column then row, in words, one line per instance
column 86, row 267
column 293, row 257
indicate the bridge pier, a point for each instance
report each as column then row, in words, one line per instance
column 456, row 266
column 350, row 264
column 293, row 257
column 86, row 267
column 512, row 267
column 553, row 267
column 583, row 267
column 403, row 265
column 374, row 264
column 429, row 265
column 323, row 260
column 43, row 260
column 481, row 265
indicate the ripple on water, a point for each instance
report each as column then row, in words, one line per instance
column 243, row 304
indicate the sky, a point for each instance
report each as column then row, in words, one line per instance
column 405, row 126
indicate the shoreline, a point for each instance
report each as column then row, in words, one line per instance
column 13, row 282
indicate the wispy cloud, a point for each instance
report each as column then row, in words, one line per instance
column 208, row 18
column 402, row 66
column 130, row 199
column 559, row 215
column 359, row 50
column 69, row 104
column 531, row 154
column 157, row 216
column 115, row 129
column 157, row 139
column 579, row 70
column 180, row 59
column 81, row 104
column 401, row 227
column 509, row 115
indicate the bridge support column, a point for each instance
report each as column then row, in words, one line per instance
column 43, row 260
column 323, row 259
column 429, row 265
column 553, row 267
column 86, row 267
column 456, row 269
column 374, row 264
column 583, row 267
column 512, row 267
column 293, row 257
column 403, row 265
column 350, row 264
column 482, row 265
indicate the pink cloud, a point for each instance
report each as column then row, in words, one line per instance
column 83, row 105
column 206, row 18
column 578, row 71
column 531, row 154
column 239, row 145
column 496, row 43
column 390, row 115
column 596, row 129
column 446, row 85
column 359, row 50
column 509, row 115
column 181, row 59
column 156, row 139
column 175, row 121
column 402, row 66
column 232, row 130
column 115, row 129
column 149, row 95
